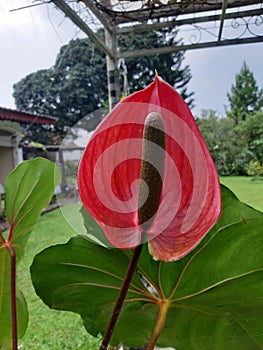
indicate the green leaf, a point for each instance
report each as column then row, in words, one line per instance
column 94, row 231
column 214, row 293
column 28, row 190
column 68, row 276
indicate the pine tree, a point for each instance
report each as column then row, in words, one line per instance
column 245, row 98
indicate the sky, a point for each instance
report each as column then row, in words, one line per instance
column 31, row 38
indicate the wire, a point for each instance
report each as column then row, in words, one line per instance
column 29, row 6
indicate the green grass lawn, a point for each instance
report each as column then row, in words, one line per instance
column 56, row 330
column 50, row 329
column 247, row 189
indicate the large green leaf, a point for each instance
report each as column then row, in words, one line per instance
column 28, row 190
column 215, row 294
column 233, row 212
column 94, row 231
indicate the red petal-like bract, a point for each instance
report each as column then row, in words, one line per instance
column 109, row 175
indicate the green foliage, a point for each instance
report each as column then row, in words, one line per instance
column 255, row 168
column 245, row 98
column 244, row 138
column 250, row 133
column 28, row 190
column 232, row 147
column 214, row 295
column 71, row 168
column 77, row 84
column 73, row 88
column 237, row 139
column 56, row 330
column 219, row 136
column 141, row 70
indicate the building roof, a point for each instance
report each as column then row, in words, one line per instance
column 24, row 117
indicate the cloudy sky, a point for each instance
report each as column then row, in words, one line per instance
column 31, row 38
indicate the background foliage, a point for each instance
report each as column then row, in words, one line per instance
column 77, row 84
column 236, row 140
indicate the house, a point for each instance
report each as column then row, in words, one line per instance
column 10, row 134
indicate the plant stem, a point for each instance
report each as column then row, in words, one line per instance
column 13, row 293
column 153, row 133
column 123, row 291
column 2, row 237
column 164, row 306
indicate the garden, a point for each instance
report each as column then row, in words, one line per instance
column 154, row 215
column 56, row 330
column 163, row 246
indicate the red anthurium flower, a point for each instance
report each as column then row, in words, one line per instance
column 109, row 176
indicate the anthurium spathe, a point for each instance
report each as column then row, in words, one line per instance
column 109, row 176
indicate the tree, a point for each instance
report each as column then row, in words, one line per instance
column 73, row 88
column 251, row 134
column 246, row 102
column 221, row 140
column 77, row 84
column 141, row 70
column 245, row 97
column 232, row 147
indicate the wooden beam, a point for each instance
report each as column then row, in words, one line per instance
column 113, row 75
column 222, row 19
column 99, row 14
column 174, row 9
column 82, row 25
column 189, row 21
column 171, row 49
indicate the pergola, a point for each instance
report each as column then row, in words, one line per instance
column 201, row 24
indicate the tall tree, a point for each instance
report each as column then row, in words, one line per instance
column 251, row 134
column 232, row 147
column 221, row 140
column 141, row 70
column 73, row 88
column 77, row 84
column 245, row 97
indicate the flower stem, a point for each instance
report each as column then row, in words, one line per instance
column 121, row 297
column 163, row 309
column 13, row 294
column 2, row 237
column 151, row 185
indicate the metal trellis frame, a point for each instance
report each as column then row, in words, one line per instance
column 201, row 24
